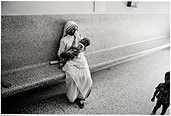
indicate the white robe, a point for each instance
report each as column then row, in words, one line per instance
column 78, row 77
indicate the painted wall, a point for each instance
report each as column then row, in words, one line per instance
column 32, row 39
column 142, row 8
column 73, row 7
column 44, row 7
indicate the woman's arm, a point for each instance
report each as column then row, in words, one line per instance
column 62, row 47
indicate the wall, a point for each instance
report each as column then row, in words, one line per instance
column 45, row 7
column 74, row 7
column 29, row 39
column 142, row 8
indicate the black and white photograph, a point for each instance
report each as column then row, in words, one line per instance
column 90, row 57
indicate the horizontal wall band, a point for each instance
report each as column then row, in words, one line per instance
column 117, row 61
column 85, row 13
column 129, row 44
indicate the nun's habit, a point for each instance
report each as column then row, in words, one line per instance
column 78, row 77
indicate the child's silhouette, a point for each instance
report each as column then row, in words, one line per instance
column 162, row 94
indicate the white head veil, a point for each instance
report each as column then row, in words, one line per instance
column 69, row 25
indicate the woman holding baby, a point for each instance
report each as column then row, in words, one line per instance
column 78, row 78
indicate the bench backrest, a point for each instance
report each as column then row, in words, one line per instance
column 33, row 39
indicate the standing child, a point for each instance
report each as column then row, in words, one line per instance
column 162, row 94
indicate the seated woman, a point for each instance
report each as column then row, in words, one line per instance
column 78, row 78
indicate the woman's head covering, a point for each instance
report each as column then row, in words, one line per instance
column 69, row 26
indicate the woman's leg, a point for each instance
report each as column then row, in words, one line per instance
column 80, row 102
column 73, row 93
column 80, row 96
column 88, row 93
column 86, row 83
column 71, row 89
column 86, row 87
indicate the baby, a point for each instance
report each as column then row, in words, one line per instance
column 74, row 51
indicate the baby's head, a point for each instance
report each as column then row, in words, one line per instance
column 167, row 77
column 85, row 41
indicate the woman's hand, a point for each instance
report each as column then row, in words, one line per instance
column 67, row 55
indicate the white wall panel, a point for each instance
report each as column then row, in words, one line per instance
column 77, row 7
column 44, row 7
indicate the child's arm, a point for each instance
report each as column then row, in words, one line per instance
column 154, row 95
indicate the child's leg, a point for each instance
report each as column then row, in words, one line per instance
column 158, row 104
column 164, row 109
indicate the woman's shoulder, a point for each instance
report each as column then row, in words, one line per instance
column 64, row 39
